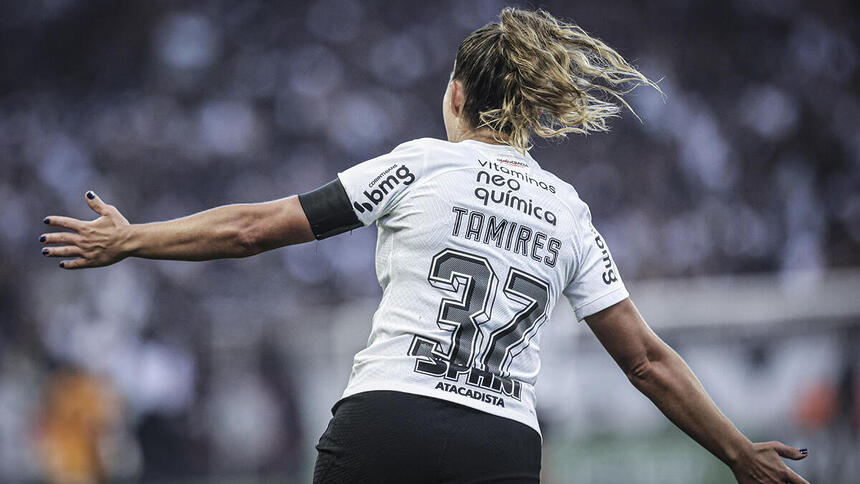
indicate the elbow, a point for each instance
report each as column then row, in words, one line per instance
column 650, row 367
column 640, row 371
column 247, row 245
column 647, row 364
column 248, row 240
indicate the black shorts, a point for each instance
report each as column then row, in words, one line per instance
column 393, row 437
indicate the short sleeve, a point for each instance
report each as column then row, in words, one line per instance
column 596, row 284
column 376, row 186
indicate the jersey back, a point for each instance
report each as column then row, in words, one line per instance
column 475, row 245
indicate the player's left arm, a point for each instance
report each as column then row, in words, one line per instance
column 239, row 230
column 661, row 374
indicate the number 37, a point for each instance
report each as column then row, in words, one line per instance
column 472, row 277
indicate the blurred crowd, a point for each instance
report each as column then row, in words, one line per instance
column 750, row 163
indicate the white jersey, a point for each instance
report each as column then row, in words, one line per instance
column 476, row 244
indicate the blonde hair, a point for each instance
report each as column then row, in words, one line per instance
column 531, row 73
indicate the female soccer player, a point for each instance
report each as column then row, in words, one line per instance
column 476, row 244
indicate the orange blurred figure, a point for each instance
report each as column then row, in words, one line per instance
column 818, row 406
column 78, row 411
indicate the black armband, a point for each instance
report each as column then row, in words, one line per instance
column 328, row 210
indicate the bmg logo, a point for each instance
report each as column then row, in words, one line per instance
column 376, row 196
column 609, row 275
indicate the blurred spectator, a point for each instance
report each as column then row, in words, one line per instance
column 80, row 414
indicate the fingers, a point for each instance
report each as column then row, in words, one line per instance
column 789, row 452
column 64, row 251
column 76, row 264
column 68, row 238
column 96, row 203
column 79, row 243
column 64, row 222
column 70, row 249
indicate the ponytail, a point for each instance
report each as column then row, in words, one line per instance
column 530, row 73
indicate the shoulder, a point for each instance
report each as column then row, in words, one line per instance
column 568, row 195
column 581, row 227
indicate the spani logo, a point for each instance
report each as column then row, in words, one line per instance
column 384, row 187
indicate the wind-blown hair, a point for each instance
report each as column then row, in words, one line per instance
column 531, row 73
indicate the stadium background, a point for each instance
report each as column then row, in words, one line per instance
column 733, row 212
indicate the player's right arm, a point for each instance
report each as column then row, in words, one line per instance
column 239, row 230
column 372, row 188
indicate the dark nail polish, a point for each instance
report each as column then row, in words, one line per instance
column 44, row 251
column 42, row 238
column 804, row 451
column 47, row 221
column 62, row 264
column 91, row 195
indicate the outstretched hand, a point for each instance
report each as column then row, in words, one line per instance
column 764, row 465
column 93, row 243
